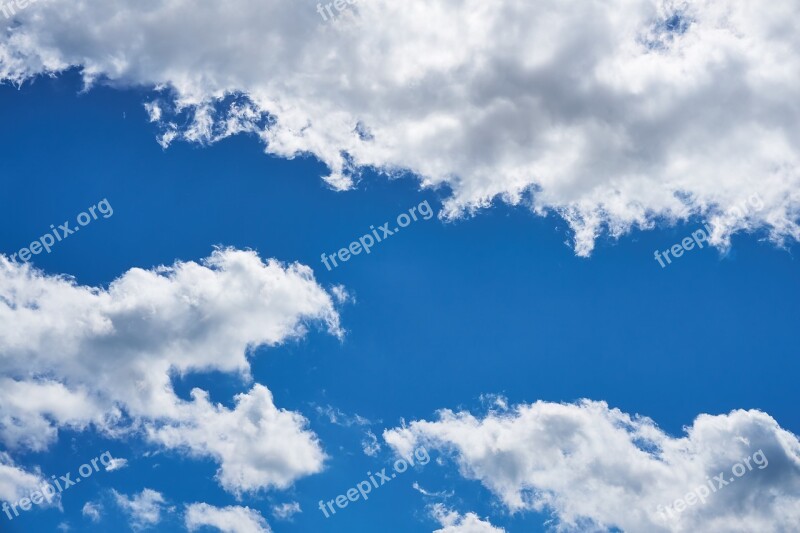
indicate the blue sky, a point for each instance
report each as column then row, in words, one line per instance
column 441, row 313
column 525, row 338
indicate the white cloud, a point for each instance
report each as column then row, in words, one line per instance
column 340, row 418
column 613, row 114
column 92, row 511
column 370, row 444
column 15, row 482
column 341, row 295
column 598, row 467
column 144, row 509
column 113, row 352
column 452, row 522
column 31, row 411
column 226, row 519
column 116, row 464
column 271, row 447
column 441, row 494
column 286, row 511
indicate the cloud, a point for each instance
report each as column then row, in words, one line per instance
column 286, row 511
column 74, row 356
column 441, row 494
column 31, row 411
column 116, row 464
column 370, row 444
column 452, row 522
column 92, row 511
column 271, row 447
column 340, row 418
column 596, row 467
column 15, row 482
column 613, row 115
column 225, row 519
column 144, row 509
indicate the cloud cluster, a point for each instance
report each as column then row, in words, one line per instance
column 74, row 356
column 613, row 114
column 595, row 467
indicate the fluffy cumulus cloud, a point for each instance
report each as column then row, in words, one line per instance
column 225, row 519
column 613, row 114
column 272, row 448
column 74, row 356
column 143, row 509
column 594, row 467
column 453, row 522
column 16, row 482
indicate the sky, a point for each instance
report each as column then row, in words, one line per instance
column 518, row 341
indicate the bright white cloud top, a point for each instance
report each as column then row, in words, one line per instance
column 232, row 519
column 453, row 522
column 76, row 357
column 613, row 114
column 596, row 467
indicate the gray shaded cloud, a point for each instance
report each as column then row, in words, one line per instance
column 615, row 114
column 594, row 467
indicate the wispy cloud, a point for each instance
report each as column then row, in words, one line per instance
column 286, row 511
column 340, row 418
